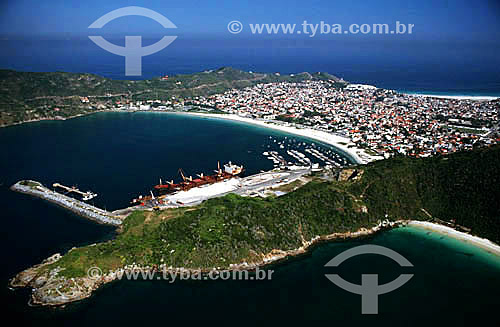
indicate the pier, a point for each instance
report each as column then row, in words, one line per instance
column 85, row 195
column 80, row 208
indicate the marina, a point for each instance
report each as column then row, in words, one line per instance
column 290, row 152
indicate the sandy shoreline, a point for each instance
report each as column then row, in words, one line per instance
column 455, row 97
column 358, row 155
column 467, row 238
column 341, row 143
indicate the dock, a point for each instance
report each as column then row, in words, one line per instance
column 80, row 208
column 85, row 195
column 254, row 185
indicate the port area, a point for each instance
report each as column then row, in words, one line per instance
column 83, row 209
column 271, row 183
column 263, row 184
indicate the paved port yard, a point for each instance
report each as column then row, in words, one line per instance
column 81, row 208
column 253, row 185
column 246, row 186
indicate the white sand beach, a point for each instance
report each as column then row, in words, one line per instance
column 456, row 97
column 474, row 240
column 342, row 143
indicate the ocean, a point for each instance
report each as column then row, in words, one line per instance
column 121, row 155
column 408, row 66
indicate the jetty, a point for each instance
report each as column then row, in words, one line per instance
column 85, row 195
column 83, row 209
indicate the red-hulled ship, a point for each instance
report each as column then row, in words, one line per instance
column 230, row 170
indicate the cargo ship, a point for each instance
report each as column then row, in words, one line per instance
column 228, row 171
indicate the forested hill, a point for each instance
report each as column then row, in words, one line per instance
column 220, row 232
column 27, row 96
column 461, row 188
column 233, row 229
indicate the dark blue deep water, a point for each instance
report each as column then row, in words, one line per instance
column 414, row 66
column 119, row 155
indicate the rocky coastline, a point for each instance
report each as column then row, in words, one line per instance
column 51, row 289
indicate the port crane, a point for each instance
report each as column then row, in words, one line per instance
column 230, row 170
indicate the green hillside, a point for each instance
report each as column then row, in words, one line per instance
column 462, row 188
column 29, row 96
column 233, row 229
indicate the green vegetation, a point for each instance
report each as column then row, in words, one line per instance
column 233, row 229
column 30, row 183
column 467, row 130
column 223, row 230
column 462, row 187
column 30, row 96
column 205, row 111
column 289, row 186
column 370, row 152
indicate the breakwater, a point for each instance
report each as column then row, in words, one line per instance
column 80, row 208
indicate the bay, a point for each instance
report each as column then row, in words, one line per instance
column 120, row 155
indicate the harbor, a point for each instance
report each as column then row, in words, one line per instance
column 192, row 192
column 293, row 159
column 131, row 176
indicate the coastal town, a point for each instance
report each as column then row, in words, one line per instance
column 384, row 122
column 365, row 122
column 250, row 162
column 362, row 122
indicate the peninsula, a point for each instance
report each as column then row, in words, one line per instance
column 235, row 232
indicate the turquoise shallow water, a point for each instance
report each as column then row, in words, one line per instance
column 460, row 248
column 120, row 155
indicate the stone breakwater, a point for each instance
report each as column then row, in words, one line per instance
column 80, row 208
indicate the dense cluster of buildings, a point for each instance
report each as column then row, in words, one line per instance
column 384, row 121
